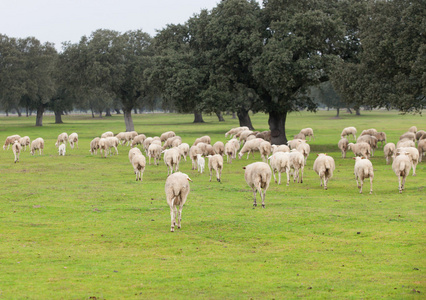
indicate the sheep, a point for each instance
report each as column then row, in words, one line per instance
column 138, row 140
column 236, row 145
column 176, row 142
column 414, row 155
column 147, row 143
column 420, row 134
column 10, row 140
column 266, row 135
column 305, row 149
column 343, row 146
column 171, row 159
column 265, row 150
column 200, row 163
column 166, row 135
column 138, row 163
column 380, row 136
column 125, row 137
column 363, row 169
column 258, row 176
column 324, row 166
column 133, row 152
column 300, row 136
column 421, row 147
column 193, row 151
column 280, row 162
column 62, row 149
column 370, row 131
column 113, row 142
column 308, row 132
column 369, row 139
column 177, row 190
column 133, row 134
column 184, row 150
column 245, row 134
column 362, row 149
column 280, row 148
column 409, row 136
column 236, row 130
column 169, row 142
column 37, row 144
column 215, row 163
column 154, row 150
column 204, row 139
column 73, row 139
column 105, row 144
column 94, row 145
column 107, row 134
column 250, row 146
column 405, row 143
column 412, row 129
column 230, row 151
column 62, row 138
column 219, row 148
column 16, row 148
column 25, row 141
column 250, row 137
column 401, row 166
column 294, row 143
column 390, row 151
column 348, row 131
column 297, row 163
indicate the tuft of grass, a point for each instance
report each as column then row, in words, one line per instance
column 80, row 226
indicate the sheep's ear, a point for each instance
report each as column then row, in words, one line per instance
column 354, row 158
column 318, row 154
column 244, row 168
column 325, row 153
column 189, row 179
column 362, row 157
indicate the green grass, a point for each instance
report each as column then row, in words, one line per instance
column 79, row 226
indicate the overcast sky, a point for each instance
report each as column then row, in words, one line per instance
column 57, row 21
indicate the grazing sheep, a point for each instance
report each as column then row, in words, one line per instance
column 105, row 144
column 300, row 136
column 422, row 149
column 369, row 139
column 125, row 137
column 154, row 151
column 305, row 149
column 370, row 131
column 200, row 163
column 390, row 151
column 412, row 129
column 113, row 142
column 219, row 148
column 265, row 149
column 420, row 135
column 280, row 162
column 204, row 139
column 230, row 151
column 177, row 190
column 294, row 143
column 280, row 148
column 10, row 140
column 343, row 146
column 166, row 135
column 94, row 145
column 324, row 166
column 414, row 155
column 258, row 176
column 235, row 131
column 171, row 140
column 73, row 139
column 401, row 166
column 348, row 131
column 360, row 149
column 133, row 152
column 308, row 132
column 266, row 135
column 62, row 138
column 25, row 141
column 381, row 137
column 37, row 144
column 16, row 148
column 107, row 134
column 405, row 143
column 297, row 163
column 138, row 140
column 409, row 136
column 245, row 134
column 363, row 169
column 193, row 151
column 250, row 146
column 62, row 149
column 184, row 150
column 250, row 137
column 215, row 163
column 171, row 159
column 138, row 163
column 147, row 143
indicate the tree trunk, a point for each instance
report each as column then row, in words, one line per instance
column 19, row 112
column 39, row 117
column 93, row 113
column 277, row 126
column 349, row 110
column 128, row 119
column 58, row 117
column 244, row 119
column 358, row 113
column 108, row 112
column 117, row 110
column 198, row 117
column 7, row 113
column 338, row 112
column 100, row 113
column 234, row 115
column 135, row 110
column 220, row 117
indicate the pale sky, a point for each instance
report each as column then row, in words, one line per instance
column 57, row 21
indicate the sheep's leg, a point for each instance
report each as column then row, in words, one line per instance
column 403, row 183
column 414, row 169
column 248, row 154
column 399, row 184
column 218, row 172
column 262, row 195
column 371, row 185
column 180, row 216
column 362, row 184
column 279, row 177
column 210, row 174
column 301, row 176
column 172, row 225
column 254, row 197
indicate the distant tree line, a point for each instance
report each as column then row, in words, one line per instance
column 286, row 56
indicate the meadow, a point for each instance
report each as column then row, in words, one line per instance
column 81, row 227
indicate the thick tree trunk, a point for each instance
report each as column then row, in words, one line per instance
column 128, row 119
column 108, row 112
column 198, row 117
column 39, row 117
column 358, row 113
column 117, row 111
column 277, row 126
column 100, row 113
column 58, row 117
column 244, row 118
column 7, row 113
column 338, row 112
column 220, row 117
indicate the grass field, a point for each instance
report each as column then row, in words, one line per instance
column 81, row 227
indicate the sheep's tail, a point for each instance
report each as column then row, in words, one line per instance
column 402, row 166
column 366, row 172
column 327, row 164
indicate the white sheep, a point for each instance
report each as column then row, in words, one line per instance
column 280, row 148
column 421, row 134
column 390, row 151
column 230, row 151
column 236, row 130
column 280, row 162
column 204, row 139
column 245, row 134
column 138, row 163
column 10, row 140
column 324, row 166
column 219, row 148
column 299, row 136
column 405, row 143
column 37, row 144
column 133, row 152
column 62, row 149
column 215, row 163
column 105, row 144
column 17, row 149
column 168, row 134
column 381, row 137
column 305, row 149
column 294, row 143
column 414, row 155
column 113, row 142
column 363, row 169
column 193, row 151
column 258, row 176
column 177, row 190
column 308, row 132
column 73, row 139
column 62, row 138
column 154, row 151
column 94, row 145
column 369, row 139
column 200, row 163
column 184, row 150
column 360, row 149
column 25, row 141
column 172, row 159
column 297, row 163
column 266, row 135
column 408, row 135
column 370, row 131
column 125, row 137
column 265, row 149
column 147, row 143
column 138, row 140
column 107, row 134
column 343, row 146
column 412, row 129
column 422, row 149
column 250, row 146
column 401, row 166
column 171, row 141
column 348, row 131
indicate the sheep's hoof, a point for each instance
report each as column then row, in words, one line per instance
column 254, row 204
column 371, row 192
column 172, row 230
column 218, row 180
column 263, row 205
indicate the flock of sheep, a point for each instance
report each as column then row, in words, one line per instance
column 290, row 159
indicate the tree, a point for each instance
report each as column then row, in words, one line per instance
column 325, row 94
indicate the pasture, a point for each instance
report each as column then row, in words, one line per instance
column 81, row 227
